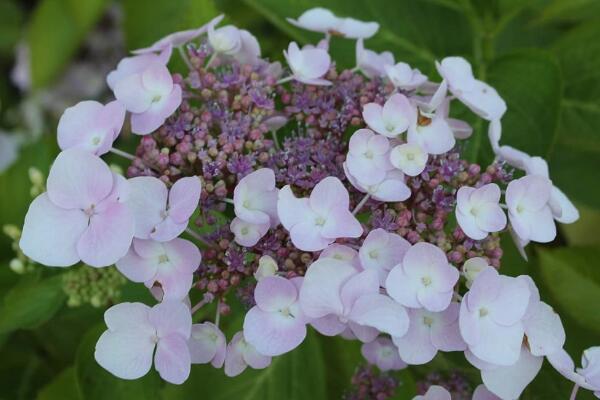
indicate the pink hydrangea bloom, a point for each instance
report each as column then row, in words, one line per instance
column 404, row 77
column 342, row 253
column 207, row 344
column 383, row 353
column 82, row 216
column 246, row 233
column 337, row 296
column 255, row 198
column 322, row 20
column 316, row 222
column 241, row 354
column 308, row 65
column 371, row 63
column 588, row 376
column 480, row 97
column 136, row 330
column 136, row 65
column 162, row 214
column 170, row 264
column 491, row 317
column 391, row 188
column 91, row 126
column 529, row 211
column 410, row 158
column 428, row 333
column 423, row 278
column 382, row 251
column 276, row 324
column 237, row 43
column 478, row 210
column 434, row 392
column 435, row 137
column 391, row 119
column 368, row 157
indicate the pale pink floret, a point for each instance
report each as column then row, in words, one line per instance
column 368, row 157
column 82, row 216
column 480, row 97
column 383, row 353
column 428, row 333
column 162, row 214
column 423, row 278
column 136, row 330
column 136, row 65
column 276, row 324
column 255, row 198
column 371, row 63
column 338, row 296
column 529, row 211
column 178, row 39
column 588, row 376
column 322, row 20
column 246, row 233
column 434, row 137
column 392, row 188
column 342, row 253
column 478, row 210
column 90, row 126
column 207, row 344
column 241, row 354
column 170, row 264
column 404, row 77
column 491, row 317
column 482, row 393
column 308, row 65
column 391, row 119
column 381, row 251
column 409, row 158
column 316, row 222
column 434, row 392
column 509, row 381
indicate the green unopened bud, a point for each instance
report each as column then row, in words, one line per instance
column 12, row 231
column 472, row 268
column 17, row 266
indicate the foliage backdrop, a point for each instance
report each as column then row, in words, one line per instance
column 543, row 56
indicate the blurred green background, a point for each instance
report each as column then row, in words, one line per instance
column 543, row 56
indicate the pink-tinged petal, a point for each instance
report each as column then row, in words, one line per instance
column 383, row 353
column 461, row 129
column 354, row 29
column 317, row 19
column 423, row 255
column 434, row 138
column 255, row 359
column 457, row 71
column 168, row 230
column 463, row 199
column 381, row 312
column 563, row 363
column 367, row 171
column 137, row 64
column 255, row 197
column 434, row 301
column 372, row 114
column 544, row 330
column 128, row 316
column 155, row 115
column 393, row 188
column 130, row 92
column 234, row 360
column 485, row 288
column 341, row 223
column 484, row 101
column 543, row 228
column 482, row 393
column 468, row 224
column 307, row 236
column 171, row 317
column 108, row 236
column 247, row 234
column 363, row 283
column 329, row 194
column 397, row 114
column 415, row 347
column 126, row 354
column 489, row 193
column 175, row 286
column 497, row 344
column 78, row 179
column 292, row 210
column 435, row 393
column 83, row 127
column 274, row 293
column 491, row 218
column 136, row 268
column 184, row 256
column 321, row 290
column 273, row 333
column 157, row 79
column 381, row 251
column 50, row 233
column 511, row 305
column 402, row 288
column 147, row 200
column 510, row 381
column 148, row 248
column 531, row 191
column 445, row 333
column 172, row 359
column 207, row 344
column 329, row 325
column 250, row 50
column 315, row 63
column 341, row 252
column 363, row 333
column 563, row 209
column 183, row 198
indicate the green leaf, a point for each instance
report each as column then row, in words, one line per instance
column 11, row 18
column 30, row 303
column 576, row 155
column 94, row 382
column 572, row 277
column 144, row 23
column 297, row 375
column 56, row 30
column 63, row 387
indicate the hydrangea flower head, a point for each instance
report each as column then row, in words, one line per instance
column 409, row 158
column 308, row 65
column 391, row 119
column 381, row 251
column 255, row 198
column 478, row 210
column 368, row 157
column 207, row 344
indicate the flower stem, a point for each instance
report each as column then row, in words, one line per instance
column 227, row 200
column 284, row 80
column 361, row 203
column 218, row 315
column 198, row 237
column 277, row 146
column 574, row 392
column 185, row 58
column 211, row 60
column 207, row 299
column 122, row 153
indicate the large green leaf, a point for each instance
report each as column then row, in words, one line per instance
column 11, row 18
column 63, row 387
column 576, row 154
column 56, row 30
column 145, row 22
column 93, row 382
column 297, row 375
column 572, row 277
column 30, row 303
